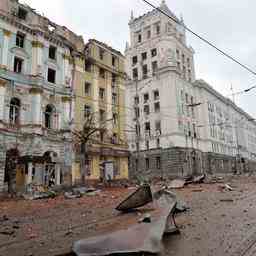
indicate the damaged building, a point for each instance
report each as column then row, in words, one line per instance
column 36, row 63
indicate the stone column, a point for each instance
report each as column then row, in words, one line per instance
column 30, row 173
column 2, row 98
column 7, row 35
column 57, row 174
column 36, row 103
column 37, row 58
column 66, row 103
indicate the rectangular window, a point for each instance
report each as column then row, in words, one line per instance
column 158, row 126
column 147, row 163
column 156, row 95
column 18, row 63
column 115, row 118
column 136, row 100
column 20, row 38
column 135, row 73
column 114, row 98
column 51, row 76
column 102, row 115
column 146, row 109
column 145, row 71
column 147, row 145
column 101, row 53
column 137, row 112
column 157, row 107
column 148, row 34
column 134, row 60
column 144, row 55
column 22, row 13
column 154, row 52
column 147, row 127
column 158, row 162
column 102, row 73
column 137, row 129
column 87, row 88
column 102, row 93
column 139, row 38
column 87, row 66
column 87, row 111
column 154, row 67
column 52, row 52
column 113, row 61
column 146, row 97
column 157, row 143
column 158, row 29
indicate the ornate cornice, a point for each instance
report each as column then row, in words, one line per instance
column 7, row 32
column 36, row 90
column 66, row 99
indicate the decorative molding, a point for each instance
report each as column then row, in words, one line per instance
column 37, row 44
column 66, row 99
column 7, row 32
column 36, row 90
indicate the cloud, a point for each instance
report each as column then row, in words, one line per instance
column 229, row 24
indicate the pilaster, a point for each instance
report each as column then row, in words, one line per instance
column 7, row 35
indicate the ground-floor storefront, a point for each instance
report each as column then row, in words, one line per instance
column 31, row 161
column 177, row 161
column 101, row 164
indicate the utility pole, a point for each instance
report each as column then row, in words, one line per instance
column 137, row 122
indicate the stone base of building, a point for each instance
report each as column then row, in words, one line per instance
column 181, row 162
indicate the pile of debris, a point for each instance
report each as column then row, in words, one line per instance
column 145, row 235
column 38, row 192
column 80, row 192
column 181, row 183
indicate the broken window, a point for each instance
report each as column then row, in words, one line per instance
column 51, row 76
column 114, row 139
column 113, row 61
column 137, row 112
column 135, row 73
column 114, row 98
column 147, row 128
column 145, row 71
column 102, row 115
column 102, row 73
column 146, row 97
column 115, row 118
column 154, row 52
column 158, row 29
column 139, row 38
column 20, row 38
column 49, row 116
column 18, row 63
column 101, row 53
column 157, row 143
column 87, row 111
column 147, row 145
column 136, row 100
column 144, row 55
column 102, row 93
column 134, row 60
column 22, row 13
column 87, row 88
column 87, row 66
column 52, row 52
column 158, row 127
column 14, row 113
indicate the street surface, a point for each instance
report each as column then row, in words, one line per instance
column 218, row 223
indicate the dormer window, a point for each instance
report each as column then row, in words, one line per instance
column 52, row 52
column 22, row 13
column 20, row 38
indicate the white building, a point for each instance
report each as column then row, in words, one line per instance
column 164, row 100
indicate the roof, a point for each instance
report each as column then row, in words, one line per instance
column 163, row 7
column 105, row 46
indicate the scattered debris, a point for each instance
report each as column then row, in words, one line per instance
column 71, row 195
column 227, row 200
column 197, row 190
column 139, row 238
column 178, row 183
column 39, row 195
column 146, row 218
column 139, row 198
column 7, row 231
column 199, row 179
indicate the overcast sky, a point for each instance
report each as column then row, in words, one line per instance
column 229, row 24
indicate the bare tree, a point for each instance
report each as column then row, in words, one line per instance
column 85, row 137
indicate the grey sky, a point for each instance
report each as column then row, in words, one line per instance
column 229, row 24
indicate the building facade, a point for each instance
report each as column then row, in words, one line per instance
column 36, row 80
column 100, row 93
column 168, row 109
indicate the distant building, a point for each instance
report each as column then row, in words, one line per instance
column 167, row 107
column 35, row 98
column 100, row 92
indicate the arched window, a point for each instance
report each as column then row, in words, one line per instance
column 14, row 114
column 49, row 116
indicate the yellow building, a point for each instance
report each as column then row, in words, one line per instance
column 99, row 90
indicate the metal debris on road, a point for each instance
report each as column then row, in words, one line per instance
column 139, row 238
column 178, row 183
column 139, row 198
